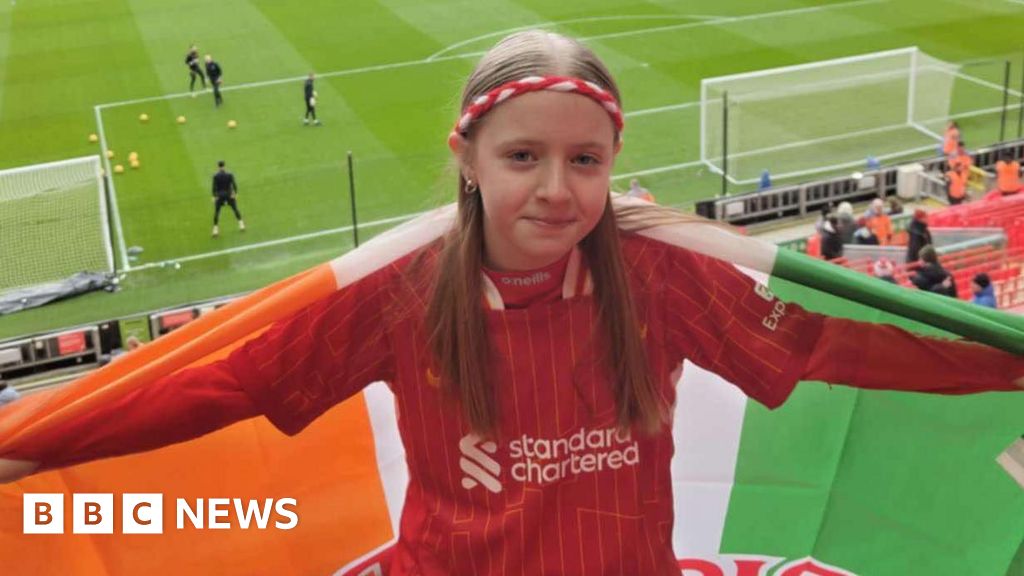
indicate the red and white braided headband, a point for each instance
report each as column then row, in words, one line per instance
column 482, row 104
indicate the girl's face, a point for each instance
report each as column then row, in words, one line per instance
column 543, row 162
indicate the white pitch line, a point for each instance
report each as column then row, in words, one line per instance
column 831, row 167
column 248, row 85
column 730, row 20
column 658, row 170
column 551, row 24
column 647, row 111
column 109, row 176
column 823, row 139
column 924, row 130
column 984, row 83
column 277, row 242
column 409, row 63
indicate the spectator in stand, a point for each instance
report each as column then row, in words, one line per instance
column 879, row 222
column 918, row 235
column 847, row 222
column 1007, row 174
column 956, row 186
column 7, row 393
column 864, row 235
column 884, row 269
column 831, row 242
column 931, row 276
column 951, row 138
column 894, row 206
column 983, row 290
column 823, row 213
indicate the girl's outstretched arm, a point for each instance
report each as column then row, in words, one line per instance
column 292, row 373
column 185, row 405
column 884, row 357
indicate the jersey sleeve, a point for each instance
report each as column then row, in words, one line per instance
column 176, row 408
column 291, row 374
column 322, row 355
column 884, row 357
column 722, row 320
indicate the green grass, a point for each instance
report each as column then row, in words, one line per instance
column 61, row 58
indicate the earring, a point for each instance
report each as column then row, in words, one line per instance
column 471, row 187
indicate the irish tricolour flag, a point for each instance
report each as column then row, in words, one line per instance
column 837, row 481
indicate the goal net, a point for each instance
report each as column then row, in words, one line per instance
column 827, row 115
column 53, row 222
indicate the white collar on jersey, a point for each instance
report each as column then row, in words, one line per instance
column 577, row 282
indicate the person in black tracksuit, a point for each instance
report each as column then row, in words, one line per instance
column 194, row 70
column 214, row 73
column 224, row 191
column 310, row 98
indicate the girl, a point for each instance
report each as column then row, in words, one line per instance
column 532, row 349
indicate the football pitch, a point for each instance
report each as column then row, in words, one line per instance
column 389, row 73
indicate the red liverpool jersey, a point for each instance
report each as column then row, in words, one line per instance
column 559, row 490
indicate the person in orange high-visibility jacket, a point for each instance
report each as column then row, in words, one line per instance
column 951, row 138
column 957, row 186
column 961, row 159
column 1008, row 175
column 879, row 222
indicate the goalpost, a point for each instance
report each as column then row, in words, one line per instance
column 53, row 222
column 808, row 118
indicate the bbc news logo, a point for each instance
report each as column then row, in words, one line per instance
column 144, row 513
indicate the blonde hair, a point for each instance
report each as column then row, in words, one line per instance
column 459, row 339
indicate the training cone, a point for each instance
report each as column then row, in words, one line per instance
column 232, row 124
column 143, row 117
column 94, row 138
column 133, row 156
column 181, row 119
column 134, row 164
column 118, row 169
column 110, row 153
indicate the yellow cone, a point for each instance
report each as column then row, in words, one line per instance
column 232, row 124
column 110, row 153
column 134, row 164
column 118, row 169
column 181, row 119
column 132, row 156
column 143, row 117
column 94, row 138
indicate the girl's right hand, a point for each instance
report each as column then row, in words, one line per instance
column 11, row 470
